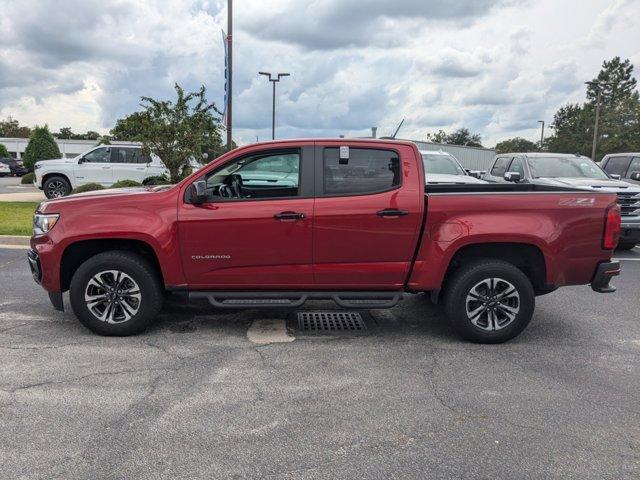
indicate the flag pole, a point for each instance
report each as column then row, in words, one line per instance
column 229, row 72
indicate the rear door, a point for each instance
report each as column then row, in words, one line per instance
column 368, row 212
column 128, row 164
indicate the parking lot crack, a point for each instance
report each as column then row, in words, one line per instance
column 83, row 377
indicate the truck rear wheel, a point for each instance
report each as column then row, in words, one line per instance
column 116, row 294
column 489, row 301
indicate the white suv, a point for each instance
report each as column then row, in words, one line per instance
column 104, row 164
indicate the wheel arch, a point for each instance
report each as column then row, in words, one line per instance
column 525, row 256
column 78, row 252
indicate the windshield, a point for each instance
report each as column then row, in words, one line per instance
column 444, row 164
column 567, row 167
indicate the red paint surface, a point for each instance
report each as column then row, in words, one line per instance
column 341, row 243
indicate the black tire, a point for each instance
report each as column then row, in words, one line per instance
column 56, row 187
column 149, row 304
column 472, row 276
column 626, row 245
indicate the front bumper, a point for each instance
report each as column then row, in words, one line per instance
column 36, row 272
column 604, row 272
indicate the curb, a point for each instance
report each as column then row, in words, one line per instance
column 14, row 240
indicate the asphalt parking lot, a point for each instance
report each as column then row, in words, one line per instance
column 200, row 395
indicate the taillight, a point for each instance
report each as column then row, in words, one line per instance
column 612, row 223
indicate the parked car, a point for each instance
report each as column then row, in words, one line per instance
column 442, row 167
column 16, row 167
column 625, row 166
column 360, row 241
column 104, row 164
column 573, row 171
column 5, row 171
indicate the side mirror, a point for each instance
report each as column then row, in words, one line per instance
column 80, row 160
column 474, row 173
column 512, row 176
column 635, row 176
column 615, row 176
column 197, row 192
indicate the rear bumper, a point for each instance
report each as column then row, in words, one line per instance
column 604, row 272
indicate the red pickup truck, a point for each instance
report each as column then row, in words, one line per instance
column 279, row 223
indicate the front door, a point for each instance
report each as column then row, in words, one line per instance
column 95, row 167
column 368, row 215
column 255, row 230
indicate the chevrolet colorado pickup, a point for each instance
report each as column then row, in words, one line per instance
column 279, row 223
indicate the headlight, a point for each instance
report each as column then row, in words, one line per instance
column 37, row 166
column 43, row 223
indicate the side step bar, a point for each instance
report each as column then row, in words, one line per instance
column 262, row 299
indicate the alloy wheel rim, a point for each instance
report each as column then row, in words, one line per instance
column 112, row 296
column 492, row 304
column 56, row 189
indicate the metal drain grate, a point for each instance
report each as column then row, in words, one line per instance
column 330, row 321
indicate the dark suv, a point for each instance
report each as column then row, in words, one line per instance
column 16, row 167
column 625, row 166
column 566, row 170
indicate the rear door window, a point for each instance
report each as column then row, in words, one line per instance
column 617, row 166
column 500, row 167
column 367, row 170
column 125, row 155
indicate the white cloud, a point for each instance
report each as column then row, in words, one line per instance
column 494, row 66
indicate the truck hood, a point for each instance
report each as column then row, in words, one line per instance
column 56, row 161
column 446, row 178
column 51, row 205
column 610, row 184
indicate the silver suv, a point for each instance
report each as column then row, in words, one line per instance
column 566, row 170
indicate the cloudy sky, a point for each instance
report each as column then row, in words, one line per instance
column 494, row 66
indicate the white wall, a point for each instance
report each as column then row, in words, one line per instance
column 68, row 148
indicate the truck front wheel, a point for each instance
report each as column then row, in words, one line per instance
column 116, row 293
column 489, row 301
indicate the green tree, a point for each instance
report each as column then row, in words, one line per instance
column 462, row 136
column 11, row 128
column 619, row 124
column 41, row 146
column 4, row 153
column 517, row 144
column 64, row 133
column 129, row 128
column 175, row 130
column 438, row 137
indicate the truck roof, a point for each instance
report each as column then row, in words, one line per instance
column 332, row 139
column 542, row 154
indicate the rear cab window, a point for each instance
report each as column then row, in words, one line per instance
column 366, row 171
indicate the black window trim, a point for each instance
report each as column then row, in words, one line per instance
column 305, row 187
column 319, row 169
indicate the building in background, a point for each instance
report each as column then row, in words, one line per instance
column 471, row 158
column 68, row 148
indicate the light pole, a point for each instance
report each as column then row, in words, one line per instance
column 541, row 134
column 273, row 81
column 597, row 86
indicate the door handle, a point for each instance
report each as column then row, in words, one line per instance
column 106, row 168
column 392, row 212
column 289, row 216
